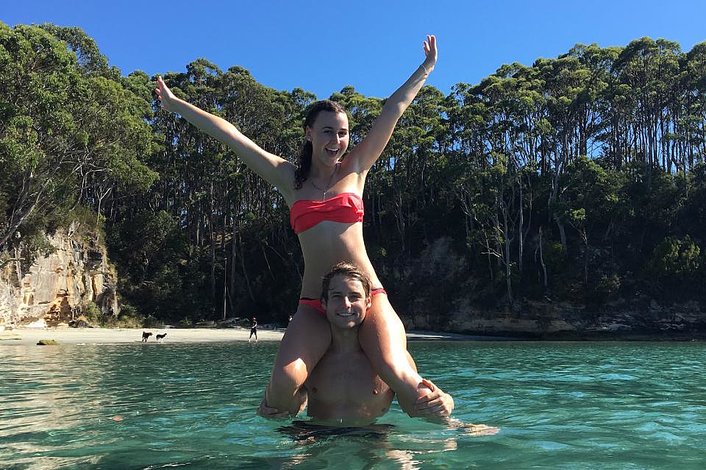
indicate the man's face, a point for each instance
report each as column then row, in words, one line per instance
column 347, row 304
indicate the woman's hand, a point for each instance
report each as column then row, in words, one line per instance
column 436, row 405
column 164, row 94
column 271, row 413
column 430, row 53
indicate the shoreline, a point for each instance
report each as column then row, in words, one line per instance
column 67, row 335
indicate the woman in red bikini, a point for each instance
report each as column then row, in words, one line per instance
column 324, row 193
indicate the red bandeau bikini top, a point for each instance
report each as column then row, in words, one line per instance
column 344, row 207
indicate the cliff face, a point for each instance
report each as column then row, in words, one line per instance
column 58, row 287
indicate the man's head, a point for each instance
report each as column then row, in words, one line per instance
column 346, row 295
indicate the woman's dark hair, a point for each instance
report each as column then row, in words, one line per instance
column 304, row 161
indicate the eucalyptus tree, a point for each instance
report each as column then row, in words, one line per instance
column 674, row 266
column 647, row 71
column 412, row 163
column 224, row 207
column 509, row 113
column 589, row 205
column 592, row 162
column 689, row 136
column 261, row 240
column 564, row 81
column 70, row 131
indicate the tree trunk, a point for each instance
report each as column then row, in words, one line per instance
column 212, row 238
column 541, row 261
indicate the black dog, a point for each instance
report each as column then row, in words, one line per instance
column 145, row 335
column 160, row 337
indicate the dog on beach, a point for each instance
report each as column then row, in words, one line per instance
column 160, row 337
column 145, row 335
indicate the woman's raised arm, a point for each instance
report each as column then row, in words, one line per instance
column 369, row 150
column 270, row 167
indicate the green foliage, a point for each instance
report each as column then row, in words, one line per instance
column 71, row 134
column 676, row 259
column 607, row 288
column 92, row 313
column 580, row 179
column 152, row 322
column 153, row 259
column 127, row 318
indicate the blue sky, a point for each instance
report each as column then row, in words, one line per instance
column 372, row 45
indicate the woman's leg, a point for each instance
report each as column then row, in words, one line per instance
column 383, row 339
column 306, row 340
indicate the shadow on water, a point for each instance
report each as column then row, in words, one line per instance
column 304, row 432
column 375, row 446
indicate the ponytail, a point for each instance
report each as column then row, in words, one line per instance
column 303, row 165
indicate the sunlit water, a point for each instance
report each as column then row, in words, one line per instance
column 559, row 405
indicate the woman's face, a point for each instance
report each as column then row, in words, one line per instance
column 329, row 137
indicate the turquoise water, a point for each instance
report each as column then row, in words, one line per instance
column 559, row 405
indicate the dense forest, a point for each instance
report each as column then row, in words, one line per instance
column 578, row 179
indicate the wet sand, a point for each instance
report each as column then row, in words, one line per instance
column 131, row 335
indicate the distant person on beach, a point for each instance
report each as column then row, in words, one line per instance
column 344, row 389
column 253, row 329
column 324, row 193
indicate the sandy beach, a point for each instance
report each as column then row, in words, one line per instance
column 67, row 335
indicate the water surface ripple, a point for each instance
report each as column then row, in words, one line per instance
column 559, row 405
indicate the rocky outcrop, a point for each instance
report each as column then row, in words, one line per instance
column 58, row 287
column 638, row 319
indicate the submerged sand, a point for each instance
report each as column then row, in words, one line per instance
column 65, row 335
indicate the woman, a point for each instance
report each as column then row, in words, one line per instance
column 324, row 193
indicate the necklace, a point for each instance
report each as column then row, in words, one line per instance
column 328, row 185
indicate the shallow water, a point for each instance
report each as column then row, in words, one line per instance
column 559, row 405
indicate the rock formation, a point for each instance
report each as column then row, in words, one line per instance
column 58, row 287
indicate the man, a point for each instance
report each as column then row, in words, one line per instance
column 343, row 389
